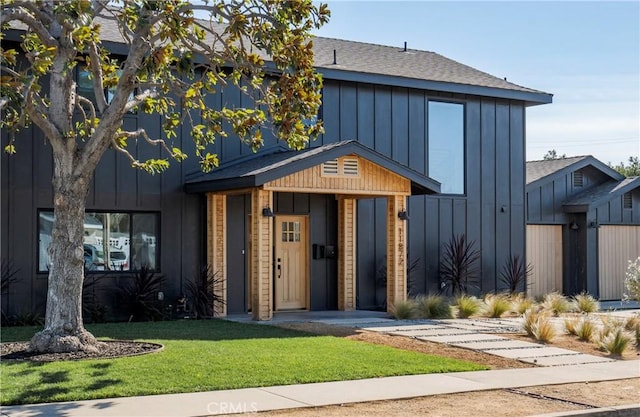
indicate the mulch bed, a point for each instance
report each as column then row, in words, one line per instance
column 17, row 351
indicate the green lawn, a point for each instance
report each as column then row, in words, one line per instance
column 207, row 355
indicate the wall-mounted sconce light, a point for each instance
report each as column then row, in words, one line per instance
column 593, row 224
column 266, row 212
column 574, row 226
column 403, row 215
column 503, row 209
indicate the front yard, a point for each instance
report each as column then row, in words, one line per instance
column 207, row 355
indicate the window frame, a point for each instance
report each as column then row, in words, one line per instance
column 131, row 213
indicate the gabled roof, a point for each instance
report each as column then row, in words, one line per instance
column 539, row 172
column 599, row 195
column 358, row 61
column 379, row 64
column 262, row 168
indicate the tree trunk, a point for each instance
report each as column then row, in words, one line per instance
column 64, row 330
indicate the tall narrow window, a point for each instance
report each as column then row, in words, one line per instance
column 446, row 146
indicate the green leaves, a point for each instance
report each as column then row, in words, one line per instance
column 174, row 65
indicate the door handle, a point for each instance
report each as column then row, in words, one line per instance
column 279, row 267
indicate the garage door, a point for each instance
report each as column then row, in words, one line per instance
column 616, row 246
column 544, row 253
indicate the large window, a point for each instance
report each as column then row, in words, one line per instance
column 112, row 241
column 446, row 146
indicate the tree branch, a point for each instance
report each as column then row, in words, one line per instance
column 10, row 14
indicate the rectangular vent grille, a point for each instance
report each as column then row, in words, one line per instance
column 350, row 167
column 578, row 179
column 330, row 167
column 627, row 201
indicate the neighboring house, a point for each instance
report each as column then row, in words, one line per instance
column 583, row 226
column 407, row 134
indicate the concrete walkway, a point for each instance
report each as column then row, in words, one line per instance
column 558, row 366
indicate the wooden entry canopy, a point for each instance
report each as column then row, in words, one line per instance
column 350, row 171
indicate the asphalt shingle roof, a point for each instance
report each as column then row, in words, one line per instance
column 602, row 193
column 387, row 61
column 540, row 169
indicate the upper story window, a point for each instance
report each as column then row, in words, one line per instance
column 112, row 241
column 446, row 146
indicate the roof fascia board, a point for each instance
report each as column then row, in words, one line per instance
column 530, row 98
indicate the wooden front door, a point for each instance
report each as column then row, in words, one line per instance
column 291, row 267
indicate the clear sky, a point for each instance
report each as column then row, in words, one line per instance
column 587, row 54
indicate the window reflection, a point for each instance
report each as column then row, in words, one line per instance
column 446, row 146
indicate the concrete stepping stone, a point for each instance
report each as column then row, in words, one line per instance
column 562, row 360
column 354, row 322
column 432, row 332
column 534, row 351
column 400, row 327
column 459, row 338
column 488, row 345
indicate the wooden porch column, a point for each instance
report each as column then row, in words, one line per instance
column 262, row 255
column 396, row 251
column 346, row 254
column 217, row 247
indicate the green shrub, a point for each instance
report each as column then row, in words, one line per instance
column 585, row 303
column 467, row 305
column 403, row 310
column 556, row 303
column 632, row 324
column 496, row 305
column 433, row 307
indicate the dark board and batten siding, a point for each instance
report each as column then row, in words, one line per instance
column 116, row 187
column 393, row 121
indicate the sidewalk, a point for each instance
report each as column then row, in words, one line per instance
column 326, row 393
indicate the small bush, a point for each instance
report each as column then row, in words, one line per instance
column 585, row 303
column 515, row 274
column 586, row 329
column 632, row 280
column 544, row 330
column 530, row 317
column 459, row 265
column 571, row 325
column 496, row 305
column 468, row 306
column 433, row 307
column 403, row 310
column 615, row 342
column 522, row 303
column 556, row 303
column 140, row 295
column 632, row 324
column 203, row 293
